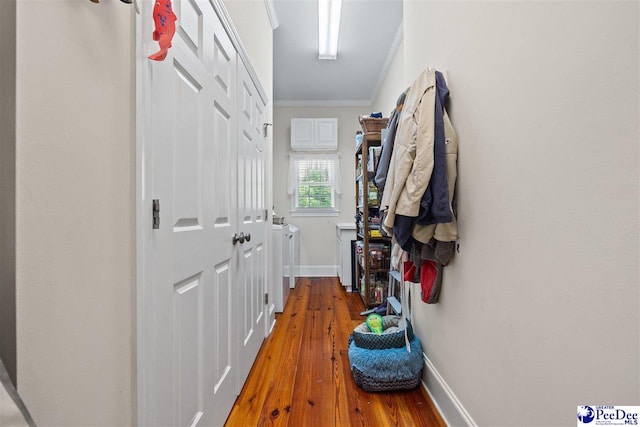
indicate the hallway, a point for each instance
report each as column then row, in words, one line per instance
column 302, row 377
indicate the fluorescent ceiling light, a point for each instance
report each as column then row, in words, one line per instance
column 329, row 12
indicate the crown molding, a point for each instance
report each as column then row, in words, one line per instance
column 322, row 103
column 271, row 12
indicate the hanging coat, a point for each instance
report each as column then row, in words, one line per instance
column 412, row 159
column 387, row 146
column 444, row 232
column 435, row 206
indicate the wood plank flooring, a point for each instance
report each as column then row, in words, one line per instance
column 302, row 378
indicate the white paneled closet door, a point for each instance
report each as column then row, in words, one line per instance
column 201, row 305
column 252, row 219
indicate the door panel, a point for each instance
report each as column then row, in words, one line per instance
column 223, row 67
column 187, row 332
column 222, row 361
column 223, row 167
column 246, row 285
column 252, row 266
column 187, row 143
column 190, row 25
column 259, row 289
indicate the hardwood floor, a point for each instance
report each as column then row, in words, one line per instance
column 302, row 378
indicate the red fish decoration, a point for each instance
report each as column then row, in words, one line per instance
column 165, row 22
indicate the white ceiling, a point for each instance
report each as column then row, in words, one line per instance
column 369, row 32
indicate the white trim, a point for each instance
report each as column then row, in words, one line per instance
column 227, row 24
column 318, row 271
column 446, row 402
column 346, row 225
column 395, row 44
column 322, row 103
column 271, row 308
column 314, row 212
column 144, row 312
column 271, row 13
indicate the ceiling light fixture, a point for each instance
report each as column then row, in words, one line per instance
column 329, row 12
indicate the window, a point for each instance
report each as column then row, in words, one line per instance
column 314, row 184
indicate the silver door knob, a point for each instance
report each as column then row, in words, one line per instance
column 247, row 237
column 238, row 238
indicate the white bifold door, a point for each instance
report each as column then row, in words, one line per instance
column 201, row 308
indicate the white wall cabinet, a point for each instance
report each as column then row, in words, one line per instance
column 314, row 134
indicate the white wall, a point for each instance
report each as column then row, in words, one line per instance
column 251, row 22
column 393, row 84
column 75, row 211
column 317, row 234
column 539, row 310
column 8, row 187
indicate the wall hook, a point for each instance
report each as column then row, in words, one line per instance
column 135, row 4
column 265, row 126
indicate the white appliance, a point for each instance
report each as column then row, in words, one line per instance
column 294, row 240
column 281, row 269
column 345, row 234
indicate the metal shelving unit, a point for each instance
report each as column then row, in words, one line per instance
column 373, row 256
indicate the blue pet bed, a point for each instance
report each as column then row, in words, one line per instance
column 393, row 335
column 387, row 369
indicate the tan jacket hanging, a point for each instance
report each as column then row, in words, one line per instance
column 412, row 159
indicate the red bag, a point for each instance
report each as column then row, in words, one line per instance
column 428, row 274
column 409, row 271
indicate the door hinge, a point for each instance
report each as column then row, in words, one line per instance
column 156, row 214
column 266, row 299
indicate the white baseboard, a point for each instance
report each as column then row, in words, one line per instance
column 346, row 284
column 445, row 400
column 318, row 270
